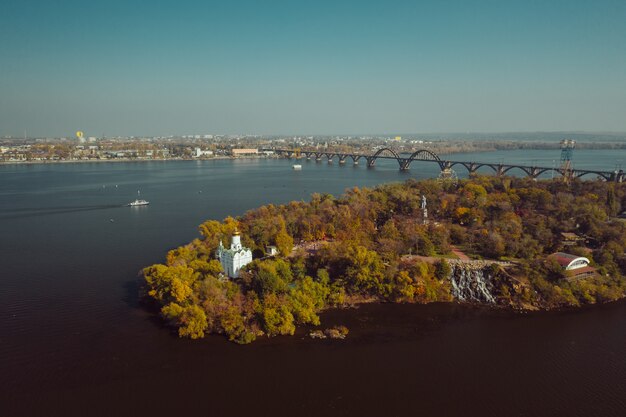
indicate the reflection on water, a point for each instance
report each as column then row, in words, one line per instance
column 73, row 333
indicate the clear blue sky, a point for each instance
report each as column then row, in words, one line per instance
column 297, row 67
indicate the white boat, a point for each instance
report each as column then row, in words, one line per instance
column 297, row 167
column 138, row 202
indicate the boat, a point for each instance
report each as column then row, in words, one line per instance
column 297, row 167
column 138, row 202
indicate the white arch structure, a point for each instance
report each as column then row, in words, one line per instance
column 569, row 262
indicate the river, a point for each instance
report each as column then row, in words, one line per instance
column 74, row 340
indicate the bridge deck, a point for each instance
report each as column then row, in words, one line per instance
column 404, row 162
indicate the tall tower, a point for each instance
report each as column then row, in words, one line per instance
column 236, row 241
column 567, row 151
column 424, row 210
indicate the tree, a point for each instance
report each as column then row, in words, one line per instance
column 284, row 242
column 364, row 269
column 442, row 269
column 169, row 283
column 611, row 201
column 234, row 326
column 191, row 320
column 425, row 246
column 267, row 279
column 277, row 319
column 307, row 298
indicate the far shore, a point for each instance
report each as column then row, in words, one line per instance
column 88, row 161
column 440, row 151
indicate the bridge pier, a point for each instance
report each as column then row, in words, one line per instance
column 471, row 169
column 534, row 173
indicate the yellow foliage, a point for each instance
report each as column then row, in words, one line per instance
column 461, row 212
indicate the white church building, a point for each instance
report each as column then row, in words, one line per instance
column 235, row 258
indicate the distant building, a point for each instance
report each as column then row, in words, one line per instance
column 271, row 251
column 198, row 153
column 243, row 152
column 235, row 258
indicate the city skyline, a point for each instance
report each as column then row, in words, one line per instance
column 325, row 68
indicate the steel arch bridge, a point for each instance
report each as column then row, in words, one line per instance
column 425, row 155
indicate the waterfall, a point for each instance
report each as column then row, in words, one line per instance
column 470, row 283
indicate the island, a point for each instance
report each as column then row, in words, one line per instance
column 508, row 242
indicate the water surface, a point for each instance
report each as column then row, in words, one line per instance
column 74, row 340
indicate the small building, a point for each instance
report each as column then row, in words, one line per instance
column 570, row 239
column 235, row 258
column 271, row 251
column 569, row 262
column 576, row 267
column 244, row 152
column 199, row 153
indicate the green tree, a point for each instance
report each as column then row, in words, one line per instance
column 442, row 269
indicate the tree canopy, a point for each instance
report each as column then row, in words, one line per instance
column 374, row 244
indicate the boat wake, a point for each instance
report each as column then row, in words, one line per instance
column 46, row 211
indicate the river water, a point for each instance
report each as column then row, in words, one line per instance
column 74, row 340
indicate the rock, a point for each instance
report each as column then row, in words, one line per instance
column 317, row 334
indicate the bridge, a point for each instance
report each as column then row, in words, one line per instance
column 425, row 155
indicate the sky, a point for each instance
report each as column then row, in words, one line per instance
column 311, row 67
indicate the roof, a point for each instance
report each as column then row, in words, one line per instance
column 566, row 259
column 569, row 235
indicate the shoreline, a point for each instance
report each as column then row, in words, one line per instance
column 444, row 151
column 118, row 160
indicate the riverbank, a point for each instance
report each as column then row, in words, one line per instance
column 118, row 160
column 439, row 147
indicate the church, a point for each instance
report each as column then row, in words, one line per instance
column 235, row 258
